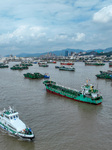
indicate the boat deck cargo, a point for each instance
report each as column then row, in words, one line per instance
column 19, row 67
column 87, row 95
column 36, row 75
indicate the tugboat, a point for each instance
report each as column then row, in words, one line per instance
column 43, row 64
column 46, row 76
column 71, row 68
column 66, row 63
column 87, row 95
column 9, row 121
column 51, row 61
column 94, row 63
column 56, row 67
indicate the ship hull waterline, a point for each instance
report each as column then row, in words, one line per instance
column 16, row 134
column 33, row 78
column 53, row 92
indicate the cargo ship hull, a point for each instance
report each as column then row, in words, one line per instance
column 94, row 64
column 66, row 63
column 110, row 64
column 76, row 97
column 72, row 98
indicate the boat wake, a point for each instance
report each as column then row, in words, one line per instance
column 4, row 132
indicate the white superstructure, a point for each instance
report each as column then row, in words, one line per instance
column 9, row 120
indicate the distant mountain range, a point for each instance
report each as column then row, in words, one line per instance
column 62, row 52
column 57, row 53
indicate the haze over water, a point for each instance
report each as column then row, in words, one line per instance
column 58, row 123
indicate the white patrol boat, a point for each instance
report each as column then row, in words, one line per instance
column 9, row 121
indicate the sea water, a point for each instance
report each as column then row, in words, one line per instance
column 57, row 122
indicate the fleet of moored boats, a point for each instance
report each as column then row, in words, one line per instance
column 9, row 119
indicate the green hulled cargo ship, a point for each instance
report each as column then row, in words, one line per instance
column 36, row 75
column 19, row 67
column 3, row 65
column 87, row 95
column 33, row 75
column 105, row 74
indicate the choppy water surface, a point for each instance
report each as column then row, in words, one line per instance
column 58, row 123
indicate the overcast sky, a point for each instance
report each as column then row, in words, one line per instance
column 33, row 26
